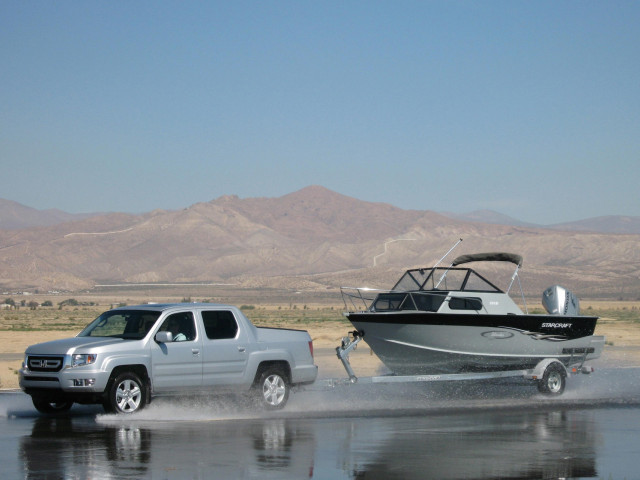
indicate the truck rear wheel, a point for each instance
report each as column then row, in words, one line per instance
column 127, row 394
column 273, row 389
column 45, row 405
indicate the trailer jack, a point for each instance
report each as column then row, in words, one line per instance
column 349, row 344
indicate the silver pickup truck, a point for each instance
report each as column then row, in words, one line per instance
column 129, row 355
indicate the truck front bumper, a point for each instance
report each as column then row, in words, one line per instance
column 68, row 380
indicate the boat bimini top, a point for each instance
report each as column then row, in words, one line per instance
column 439, row 280
column 488, row 257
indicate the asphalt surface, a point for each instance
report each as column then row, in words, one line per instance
column 457, row 430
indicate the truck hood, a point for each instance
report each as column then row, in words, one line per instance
column 68, row 345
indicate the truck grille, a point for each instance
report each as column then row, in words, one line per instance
column 45, row 364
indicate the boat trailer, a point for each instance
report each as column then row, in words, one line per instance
column 550, row 374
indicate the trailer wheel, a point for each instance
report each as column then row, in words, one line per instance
column 127, row 394
column 553, row 380
column 44, row 405
column 273, row 389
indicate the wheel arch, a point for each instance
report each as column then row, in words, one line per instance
column 138, row 369
column 282, row 365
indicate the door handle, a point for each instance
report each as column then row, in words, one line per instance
column 242, row 349
column 195, row 352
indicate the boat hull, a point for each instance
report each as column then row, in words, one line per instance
column 431, row 343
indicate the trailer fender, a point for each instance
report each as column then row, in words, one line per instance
column 538, row 371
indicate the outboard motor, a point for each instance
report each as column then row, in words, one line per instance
column 558, row 300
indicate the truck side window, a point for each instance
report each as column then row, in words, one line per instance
column 219, row 324
column 181, row 325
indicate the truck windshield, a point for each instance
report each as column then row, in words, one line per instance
column 129, row 324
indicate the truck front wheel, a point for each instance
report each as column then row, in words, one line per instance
column 273, row 389
column 44, row 405
column 127, row 394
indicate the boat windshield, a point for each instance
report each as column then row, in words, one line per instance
column 457, row 279
column 127, row 324
column 392, row 301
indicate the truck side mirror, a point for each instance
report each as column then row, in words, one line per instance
column 164, row 337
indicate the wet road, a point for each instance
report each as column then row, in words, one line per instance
column 447, row 431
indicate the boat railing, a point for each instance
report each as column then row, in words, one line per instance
column 358, row 299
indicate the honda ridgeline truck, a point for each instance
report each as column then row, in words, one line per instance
column 129, row 355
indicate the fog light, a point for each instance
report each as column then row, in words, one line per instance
column 84, row 382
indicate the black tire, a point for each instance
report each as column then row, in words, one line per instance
column 127, row 394
column 45, row 405
column 272, row 389
column 553, row 380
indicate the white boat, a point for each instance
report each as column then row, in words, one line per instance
column 453, row 321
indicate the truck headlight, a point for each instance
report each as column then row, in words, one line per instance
column 81, row 359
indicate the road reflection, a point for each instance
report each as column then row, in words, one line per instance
column 546, row 445
column 75, row 447
column 78, row 447
column 488, row 445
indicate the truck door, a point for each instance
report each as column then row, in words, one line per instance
column 177, row 365
column 225, row 348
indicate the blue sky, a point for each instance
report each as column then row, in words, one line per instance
column 531, row 109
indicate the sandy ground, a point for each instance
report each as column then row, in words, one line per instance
column 623, row 347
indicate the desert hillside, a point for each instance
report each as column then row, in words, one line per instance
column 312, row 239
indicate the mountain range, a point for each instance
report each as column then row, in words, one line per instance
column 313, row 239
column 602, row 224
column 14, row 216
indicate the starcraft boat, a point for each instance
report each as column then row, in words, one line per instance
column 453, row 320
